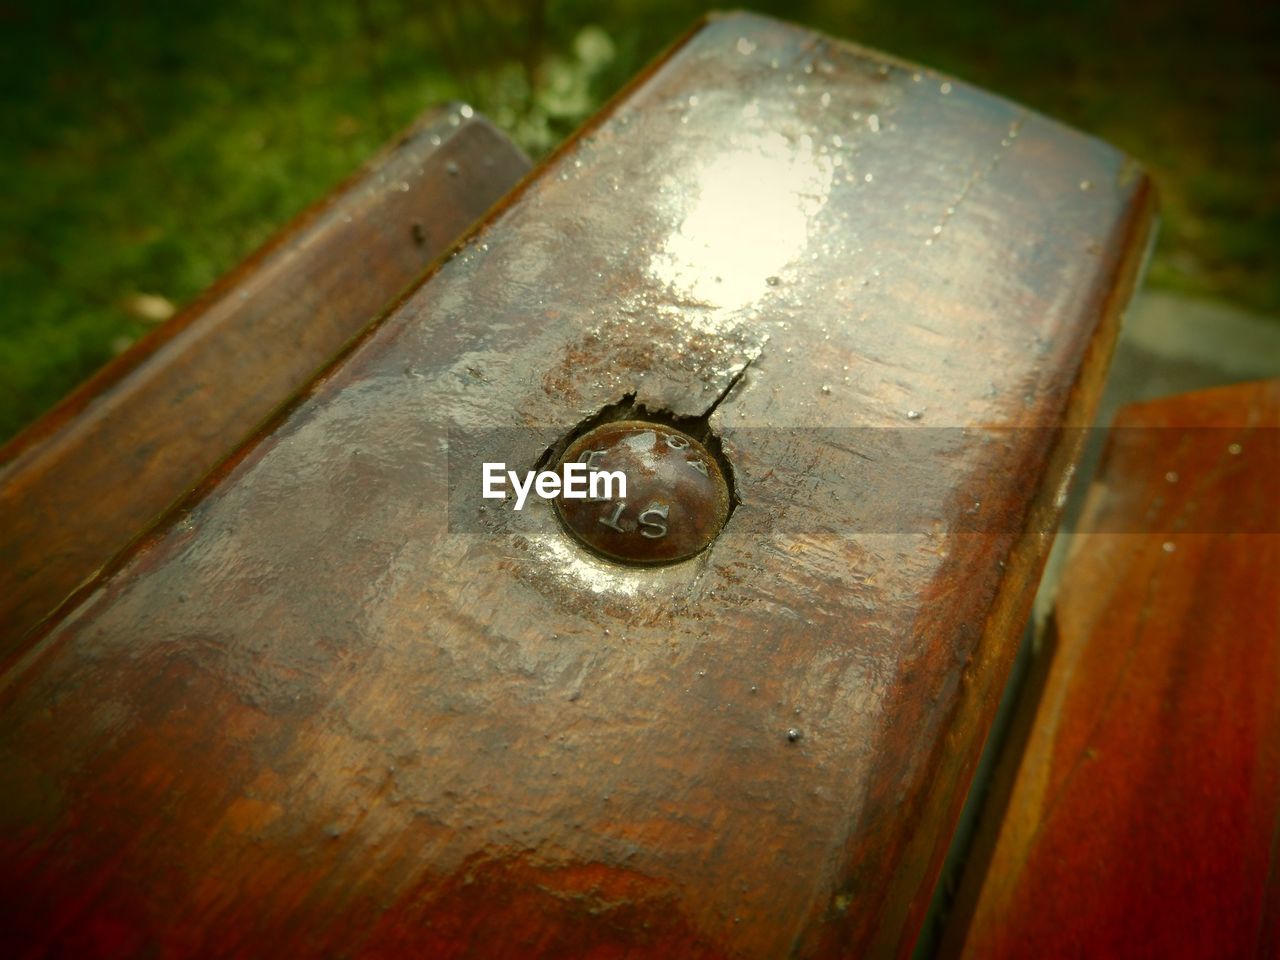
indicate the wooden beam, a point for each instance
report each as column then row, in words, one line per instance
column 330, row 707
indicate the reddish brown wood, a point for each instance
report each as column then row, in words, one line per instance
column 93, row 474
column 318, row 710
column 1145, row 805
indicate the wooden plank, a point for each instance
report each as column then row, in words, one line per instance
column 99, row 469
column 1144, row 804
column 324, row 707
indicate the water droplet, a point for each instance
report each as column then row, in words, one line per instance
column 772, row 281
column 452, row 168
column 794, row 734
column 1235, row 449
column 825, row 99
column 873, row 122
column 746, row 47
column 1085, row 185
column 914, row 414
column 826, row 388
column 1171, row 477
column 945, row 89
column 867, row 178
column 1168, row 546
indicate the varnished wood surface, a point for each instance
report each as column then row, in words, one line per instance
column 98, row 470
column 1145, row 804
column 318, row 710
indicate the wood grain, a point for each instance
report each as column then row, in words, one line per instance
column 93, row 474
column 1144, row 803
column 320, row 708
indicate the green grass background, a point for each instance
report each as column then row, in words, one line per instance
column 146, row 147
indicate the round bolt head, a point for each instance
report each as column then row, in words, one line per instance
column 677, row 498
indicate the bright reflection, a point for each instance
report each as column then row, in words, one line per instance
column 750, row 219
column 595, row 575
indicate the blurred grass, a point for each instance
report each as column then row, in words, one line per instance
column 146, row 147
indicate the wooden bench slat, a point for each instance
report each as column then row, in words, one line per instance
column 319, row 709
column 1141, row 812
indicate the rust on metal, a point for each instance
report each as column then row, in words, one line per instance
column 676, row 501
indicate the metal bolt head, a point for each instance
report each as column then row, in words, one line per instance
column 677, row 498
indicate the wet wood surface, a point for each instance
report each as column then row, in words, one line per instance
column 99, row 469
column 1140, row 812
column 328, row 708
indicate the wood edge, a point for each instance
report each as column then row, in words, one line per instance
column 999, row 795
column 982, row 683
column 1029, row 717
